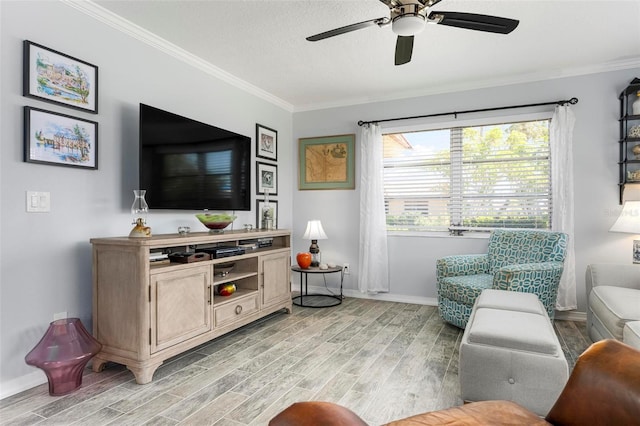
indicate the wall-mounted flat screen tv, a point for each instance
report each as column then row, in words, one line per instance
column 189, row 165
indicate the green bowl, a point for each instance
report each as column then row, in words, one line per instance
column 216, row 221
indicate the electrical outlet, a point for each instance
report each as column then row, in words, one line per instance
column 346, row 269
column 59, row 315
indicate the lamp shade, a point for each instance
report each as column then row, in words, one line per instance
column 629, row 219
column 314, row 231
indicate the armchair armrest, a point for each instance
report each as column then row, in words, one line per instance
column 466, row 264
column 522, row 276
column 541, row 279
column 612, row 274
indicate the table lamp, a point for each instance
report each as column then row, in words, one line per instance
column 314, row 232
column 629, row 222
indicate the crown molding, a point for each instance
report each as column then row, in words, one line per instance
column 127, row 27
column 618, row 65
column 105, row 16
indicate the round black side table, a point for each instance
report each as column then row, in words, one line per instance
column 317, row 300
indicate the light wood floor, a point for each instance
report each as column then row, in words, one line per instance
column 383, row 360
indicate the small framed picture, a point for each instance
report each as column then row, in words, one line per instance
column 636, row 251
column 264, row 214
column 267, row 178
column 59, row 139
column 58, row 78
column 327, row 162
column 266, row 143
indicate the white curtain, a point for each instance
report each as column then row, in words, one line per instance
column 561, row 144
column 373, row 270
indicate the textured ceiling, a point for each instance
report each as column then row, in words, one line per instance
column 263, row 43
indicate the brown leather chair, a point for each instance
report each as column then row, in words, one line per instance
column 603, row 389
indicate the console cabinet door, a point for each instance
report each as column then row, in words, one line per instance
column 276, row 278
column 180, row 306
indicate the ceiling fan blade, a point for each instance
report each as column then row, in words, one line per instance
column 473, row 21
column 347, row 29
column 404, row 49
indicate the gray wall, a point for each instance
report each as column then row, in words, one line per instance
column 46, row 257
column 412, row 259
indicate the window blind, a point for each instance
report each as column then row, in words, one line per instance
column 481, row 177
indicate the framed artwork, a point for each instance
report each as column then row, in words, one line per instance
column 327, row 162
column 266, row 143
column 267, row 178
column 58, row 78
column 60, row 140
column 272, row 213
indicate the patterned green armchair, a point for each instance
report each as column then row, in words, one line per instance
column 529, row 261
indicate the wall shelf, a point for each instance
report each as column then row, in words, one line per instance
column 629, row 163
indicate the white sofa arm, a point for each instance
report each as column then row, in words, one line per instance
column 612, row 274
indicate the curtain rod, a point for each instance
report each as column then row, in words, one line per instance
column 571, row 101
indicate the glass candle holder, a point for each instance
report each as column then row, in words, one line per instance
column 139, row 210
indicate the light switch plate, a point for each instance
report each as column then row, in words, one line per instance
column 38, row 201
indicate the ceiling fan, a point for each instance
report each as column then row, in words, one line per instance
column 409, row 17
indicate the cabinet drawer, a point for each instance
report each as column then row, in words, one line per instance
column 235, row 310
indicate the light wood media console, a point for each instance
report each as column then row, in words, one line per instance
column 144, row 313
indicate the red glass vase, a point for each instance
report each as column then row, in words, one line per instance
column 62, row 354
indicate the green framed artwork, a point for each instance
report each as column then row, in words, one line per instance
column 327, row 162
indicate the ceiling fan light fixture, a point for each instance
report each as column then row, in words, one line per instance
column 408, row 25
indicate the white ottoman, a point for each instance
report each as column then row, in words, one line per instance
column 510, row 351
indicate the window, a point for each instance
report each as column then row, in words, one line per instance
column 476, row 178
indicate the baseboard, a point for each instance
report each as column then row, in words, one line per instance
column 20, row 384
column 429, row 301
column 387, row 297
column 571, row 316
